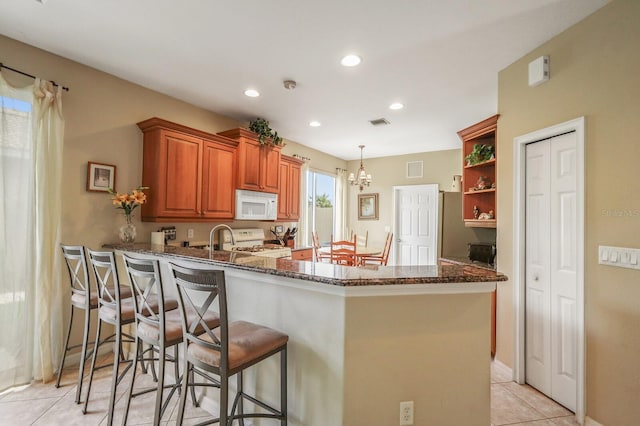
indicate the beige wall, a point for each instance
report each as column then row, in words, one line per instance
column 401, row 335
column 439, row 167
column 595, row 72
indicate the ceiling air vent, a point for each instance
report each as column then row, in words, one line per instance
column 380, row 122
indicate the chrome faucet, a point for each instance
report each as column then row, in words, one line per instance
column 212, row 233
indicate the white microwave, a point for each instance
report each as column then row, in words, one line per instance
column 252, row 205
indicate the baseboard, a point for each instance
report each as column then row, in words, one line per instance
column 588, row 421
column 506, row 367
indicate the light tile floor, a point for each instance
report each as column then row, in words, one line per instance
column 518, row 405
column 42, row 404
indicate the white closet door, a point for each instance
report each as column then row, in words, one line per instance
column 564, row 283
column 538, row 291
column 551, row 278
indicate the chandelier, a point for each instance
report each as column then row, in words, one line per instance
column 361, row 179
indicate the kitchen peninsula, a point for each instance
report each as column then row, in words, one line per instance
column 361, row 339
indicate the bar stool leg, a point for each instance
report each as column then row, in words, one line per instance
column 192, row 379
column 83, row 354
column 153, row 364
column 161, row 362
column 66, row 346
column 93, row 366
column 183, row 392
column 224, row 397
column 133, row 379
column 240, row 400
column 283, row 386
column 116, row 372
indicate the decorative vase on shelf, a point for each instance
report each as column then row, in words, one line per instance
column 128, row 231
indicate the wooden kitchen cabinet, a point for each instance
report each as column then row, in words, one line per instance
column 302, row 254
column 484, row 133
column 189, row 173
column 258, row 165
column 289, row 194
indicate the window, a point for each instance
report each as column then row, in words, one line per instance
column 321, row 198
column 16, row 177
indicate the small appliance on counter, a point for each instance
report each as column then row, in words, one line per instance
column 251, row 241
column 482, row 252
column 169, row 233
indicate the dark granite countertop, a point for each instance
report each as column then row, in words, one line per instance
column 322, row 272
column 466, row 261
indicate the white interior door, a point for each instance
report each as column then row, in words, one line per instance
column 551, row 268
column 416, row 224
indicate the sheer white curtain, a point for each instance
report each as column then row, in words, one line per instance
column 342, row 194
column 304, row 233
column 31, row 141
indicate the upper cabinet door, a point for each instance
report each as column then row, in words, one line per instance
column 190, row 173
column 258, row 165
column 283, row 194
column 289, row 194
column 270, row 169
column 249, row 165
column 218, row 181
column 171, row 170
column 294, row 191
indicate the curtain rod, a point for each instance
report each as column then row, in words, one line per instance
column 29, row 75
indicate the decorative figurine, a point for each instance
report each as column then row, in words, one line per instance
column 486, row 216
column 482, row 183
column 476, row 212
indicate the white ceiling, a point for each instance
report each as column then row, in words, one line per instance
column 439, row 58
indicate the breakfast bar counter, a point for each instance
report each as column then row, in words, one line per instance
column 361, row 340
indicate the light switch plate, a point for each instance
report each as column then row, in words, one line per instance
column 622, row 257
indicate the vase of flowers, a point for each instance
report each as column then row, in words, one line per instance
column 128, row 202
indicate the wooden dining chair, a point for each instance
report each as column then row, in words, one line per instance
column 343, row 252
column 361, row 240
column 318, row 255
column 382, row 258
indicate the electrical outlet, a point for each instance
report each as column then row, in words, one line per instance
column 406, row 413
column 189, row 233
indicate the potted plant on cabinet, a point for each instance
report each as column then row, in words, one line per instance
column 266, row 136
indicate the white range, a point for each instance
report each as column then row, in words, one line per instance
column 251, row 241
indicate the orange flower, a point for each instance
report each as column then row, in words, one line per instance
column 129, row 201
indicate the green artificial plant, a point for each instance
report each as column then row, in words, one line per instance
column 264, row 132
column 480, row 154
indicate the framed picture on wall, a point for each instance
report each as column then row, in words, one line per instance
column 101, row 177
column 368, row 206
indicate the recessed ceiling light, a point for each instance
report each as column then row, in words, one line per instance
column 396, row 105
column 252, row 93
column 314, row 123
column 350, row 60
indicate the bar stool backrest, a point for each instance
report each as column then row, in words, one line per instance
column 78, row 272
column 146, row 286
column 198, row 290
column 103, row 264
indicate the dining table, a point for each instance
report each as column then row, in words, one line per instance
column 361, row 251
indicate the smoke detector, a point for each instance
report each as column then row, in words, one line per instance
column 289, row 84
column 380, row 122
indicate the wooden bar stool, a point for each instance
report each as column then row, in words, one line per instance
column 227, row 350
column 160, row 327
